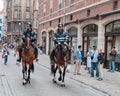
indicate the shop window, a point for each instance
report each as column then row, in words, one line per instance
column 109, row 27
column 117, row 26
column 91, row 28
column 113, row 26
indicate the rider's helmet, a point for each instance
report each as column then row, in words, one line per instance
column 60, row 25
column 30, row 24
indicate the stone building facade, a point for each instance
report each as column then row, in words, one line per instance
column 88, row 23
column 18, row 14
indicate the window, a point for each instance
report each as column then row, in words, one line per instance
column 17, row 2
column 71, row 1
column 88, row 12
column 9, row 4
column 59, row 20
column 50, row 23
column 37, row 5
column 28, row 3
column 60, row 4
column 51, row 6
column 44, row 9
column 16, row 14
column 113, row 26
column 71, row 17
column 109, row 27
column 117, row 26
column 115, row 4
column 27, row 15
column 91, row 28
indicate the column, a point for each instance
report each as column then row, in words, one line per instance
column 79, row 36
column 101, row 37
column 47, row 42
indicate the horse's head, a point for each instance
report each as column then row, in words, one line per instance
column 27, row 42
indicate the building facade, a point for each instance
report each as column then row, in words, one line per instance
column 88, row 23
column 19, row 13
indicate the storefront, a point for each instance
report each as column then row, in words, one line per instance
column 112, row 38
column 72, row 33
column 51, row 42
column 90, row 37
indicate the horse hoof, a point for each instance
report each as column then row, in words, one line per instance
column 62, row 85
column 28, row 81
column 24, row 83
column 59, row 79
column 54, row 81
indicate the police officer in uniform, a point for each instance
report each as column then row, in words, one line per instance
column 28, row 32
column 60, row 36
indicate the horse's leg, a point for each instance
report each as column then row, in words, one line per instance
column 28, row 80
column 63, row 85
column 55, row 69
column 60, row 72
column 24, row 70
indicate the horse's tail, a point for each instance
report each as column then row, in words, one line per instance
column 32, row 67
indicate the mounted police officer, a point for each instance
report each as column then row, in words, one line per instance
column 60, row 37
column 28, row 32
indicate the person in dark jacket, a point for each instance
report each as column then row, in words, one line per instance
column 28, row 32
column 112, row 55
column 100, row 63
column 60, row 36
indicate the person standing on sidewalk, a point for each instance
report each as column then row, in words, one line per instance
column 94, row 62
column 89, row 60
column 100, row 64
column 112, row 54
column 78, row 60
column 6, row 53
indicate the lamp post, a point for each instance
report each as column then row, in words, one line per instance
column 19, row 32
column 64, row 12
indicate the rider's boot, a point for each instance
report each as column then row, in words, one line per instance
column 52, row 55
column 36, row 54
column 20, row 52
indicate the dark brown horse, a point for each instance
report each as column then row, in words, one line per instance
column 27, row 61
column 61, row 61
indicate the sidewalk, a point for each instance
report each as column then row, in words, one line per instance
column 109, row 85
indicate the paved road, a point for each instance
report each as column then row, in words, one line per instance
column 41, row 83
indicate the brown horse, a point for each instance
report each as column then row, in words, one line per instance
column 61, row 60
column 27, row 59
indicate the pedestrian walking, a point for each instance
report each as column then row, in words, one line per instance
column 112, row 55
column 100, row 63
column 94, row 62
column 72, row 55
column 5, row 53
column 89, row 60
column 78, row 60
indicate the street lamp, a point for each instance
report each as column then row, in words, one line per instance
column 19, row 31
column 64, row 12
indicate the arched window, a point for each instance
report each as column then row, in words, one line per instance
column 113, row 26
column 91, row 28
column 72, row 31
